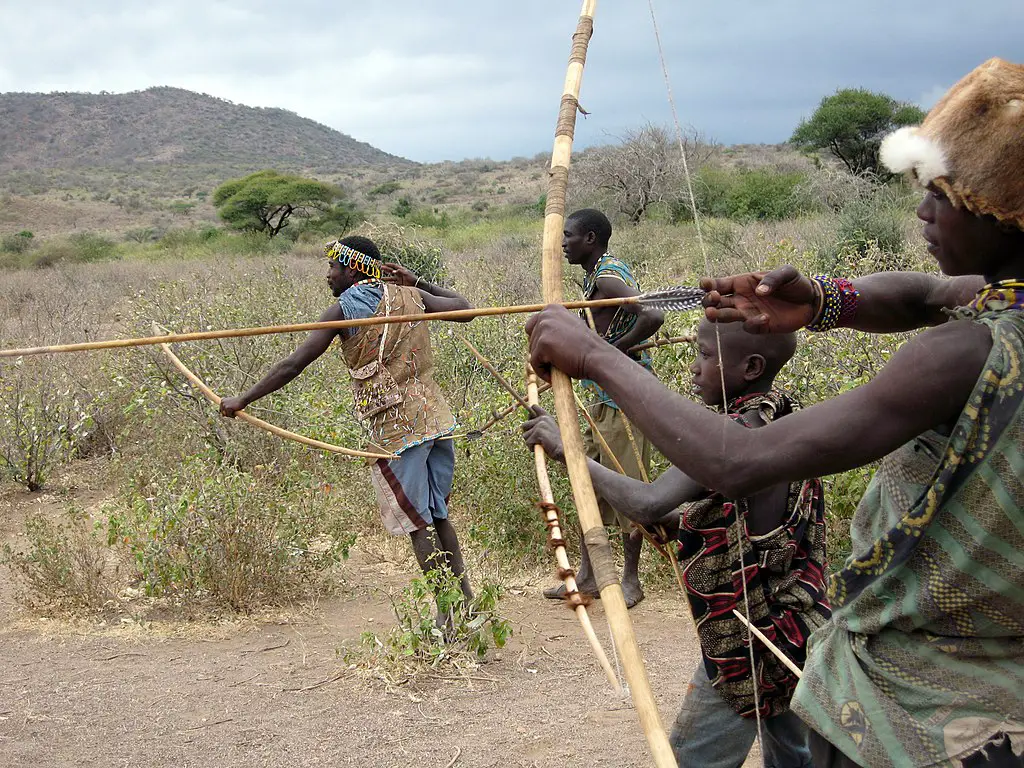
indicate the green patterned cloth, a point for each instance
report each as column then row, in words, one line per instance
column 924, row 659
column 608, row 267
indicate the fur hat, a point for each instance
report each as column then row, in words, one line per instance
column 971, row 145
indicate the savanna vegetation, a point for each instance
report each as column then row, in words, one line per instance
column 205, row 514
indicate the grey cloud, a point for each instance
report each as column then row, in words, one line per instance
column 439, row 79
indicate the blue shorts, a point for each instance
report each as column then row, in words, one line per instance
column 413, row 489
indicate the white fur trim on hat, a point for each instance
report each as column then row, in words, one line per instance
column 907, row 150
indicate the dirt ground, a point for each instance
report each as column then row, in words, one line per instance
column 275, row 691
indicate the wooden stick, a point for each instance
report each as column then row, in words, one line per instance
column 506, row 411
column 663, row 343
column 768, row 644
column 212, row 396
column 576, row 460
column 555, row 534
column 174, row 338
column 494, row 372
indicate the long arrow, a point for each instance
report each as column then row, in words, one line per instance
column 673, row 299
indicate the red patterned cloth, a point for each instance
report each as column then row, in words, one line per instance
column 785, row 576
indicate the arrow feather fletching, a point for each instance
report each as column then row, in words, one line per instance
column 679, row 299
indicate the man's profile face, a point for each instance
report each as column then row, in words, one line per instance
column 576, row 244
column 337, row 278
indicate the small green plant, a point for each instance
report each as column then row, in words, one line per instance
column 64, row 568
column 401, row 208
column 418, row 645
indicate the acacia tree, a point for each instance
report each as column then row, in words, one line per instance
column 643, row 169
column 266, row 201
column 851, row 124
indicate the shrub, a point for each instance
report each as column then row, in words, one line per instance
column 384, row 189
column 872, row 221
column 17, row 243
column 76, row 249
column 210, row 530
column 744, row 195
column 64, row 567
column 42, row 418
column 401, row 208
column 405, row 245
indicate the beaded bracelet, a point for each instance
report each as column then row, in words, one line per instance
column 838, row 305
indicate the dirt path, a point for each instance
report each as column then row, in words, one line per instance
column 277, row 692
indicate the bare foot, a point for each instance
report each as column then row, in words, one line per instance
column 633, row 593
column 558, row 592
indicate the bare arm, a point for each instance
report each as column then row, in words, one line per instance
column 924, row 385
column 316, row 343
column 903, row 301
column 648, row 319
column 784, row 300
column 644, row 503
column 435, row 298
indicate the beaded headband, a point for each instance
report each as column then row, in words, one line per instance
column 350, row 257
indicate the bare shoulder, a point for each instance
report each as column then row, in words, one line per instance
column 963, row 341
column 936, row 370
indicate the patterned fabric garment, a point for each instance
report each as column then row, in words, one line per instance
column 785, row 575
column 396, row 398
column 924, row 661
column 622, row 322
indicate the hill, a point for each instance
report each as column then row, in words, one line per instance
column 162, row 126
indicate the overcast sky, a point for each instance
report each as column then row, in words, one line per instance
column 449, row 79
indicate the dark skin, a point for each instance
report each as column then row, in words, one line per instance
column 430, row 546
column 583, row 248
column 924, row 386
column 749, row 366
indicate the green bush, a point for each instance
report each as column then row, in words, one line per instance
column 209, row 530
column 42, row 418
column 407, row 246
column 16, row 243
column 401, row 208
column 872, row 221
column 762, row 194
column 77, row 249
column 384, row 189
column 419, row 645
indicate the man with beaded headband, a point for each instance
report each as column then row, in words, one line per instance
column 923, row 661
column 396, row 399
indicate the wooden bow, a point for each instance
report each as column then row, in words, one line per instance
column 214, row 398
column 594, row 532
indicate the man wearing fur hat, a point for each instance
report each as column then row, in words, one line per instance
column 396, row 398
column 923, row 662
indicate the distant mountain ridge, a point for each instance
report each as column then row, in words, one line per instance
column 164, row 125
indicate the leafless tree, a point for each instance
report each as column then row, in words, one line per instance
column 642, row 169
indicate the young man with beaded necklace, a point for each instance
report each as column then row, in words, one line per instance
column 923, row 662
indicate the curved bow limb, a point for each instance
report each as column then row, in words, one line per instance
column 583, row 491
column 214, row 398
column 547, row 499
